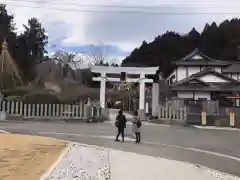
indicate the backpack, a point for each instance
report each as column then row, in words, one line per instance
column 139, row 124
column 117, row 123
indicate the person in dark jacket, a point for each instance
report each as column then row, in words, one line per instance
column 120, row 124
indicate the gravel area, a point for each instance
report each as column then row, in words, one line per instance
column 220, row 175
column 83, row 163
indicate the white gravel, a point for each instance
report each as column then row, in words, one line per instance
column 220, row 175
column 82, row 163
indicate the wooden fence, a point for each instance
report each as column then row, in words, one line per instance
column 61, row 111
column 172, row 114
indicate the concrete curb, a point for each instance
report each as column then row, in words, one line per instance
column 12, row 121
column 54, row 165
column 5, row 132
column 216, row 128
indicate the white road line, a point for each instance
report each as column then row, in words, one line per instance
column 144, row 124
column 150, row 143
column 85, row 135
column 196, row 150
column 217, row 128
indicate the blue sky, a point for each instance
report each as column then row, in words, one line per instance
column 75, row 26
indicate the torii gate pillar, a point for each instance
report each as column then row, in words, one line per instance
column 103, row 90
column 142, row 92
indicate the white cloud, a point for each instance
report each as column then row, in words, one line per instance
column 73, row 28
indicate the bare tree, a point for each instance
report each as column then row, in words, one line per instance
column 67, row 58
column 100, row 55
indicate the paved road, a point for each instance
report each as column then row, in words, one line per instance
column 212, row 148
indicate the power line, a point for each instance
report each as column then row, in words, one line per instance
column 125, row 12
column 117, row 6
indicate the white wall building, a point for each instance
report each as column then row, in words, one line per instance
column 197, row 76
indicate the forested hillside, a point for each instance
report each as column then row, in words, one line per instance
column 220, row 42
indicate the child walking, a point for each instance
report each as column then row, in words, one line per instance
column 137, row 127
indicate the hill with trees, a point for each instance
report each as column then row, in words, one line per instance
column 220, row 42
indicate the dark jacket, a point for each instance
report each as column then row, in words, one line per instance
column 121, row 121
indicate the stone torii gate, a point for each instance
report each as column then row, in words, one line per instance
column 106, row 71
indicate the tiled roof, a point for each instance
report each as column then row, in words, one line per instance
column 203, row 60
column 233, row 68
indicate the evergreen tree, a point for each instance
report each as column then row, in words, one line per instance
column 219, row 42
column 26, row 49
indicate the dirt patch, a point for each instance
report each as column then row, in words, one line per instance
column 27, row 157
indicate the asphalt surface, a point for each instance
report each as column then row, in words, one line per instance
column 216, row 149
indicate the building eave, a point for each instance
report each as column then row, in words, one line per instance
column 205, row 72
column 233, row 68
column 207, row 89
column 202, row 63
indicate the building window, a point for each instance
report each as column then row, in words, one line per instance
column 186, row 71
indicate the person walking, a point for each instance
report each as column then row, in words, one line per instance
column 120, row 124
column 137, row 124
